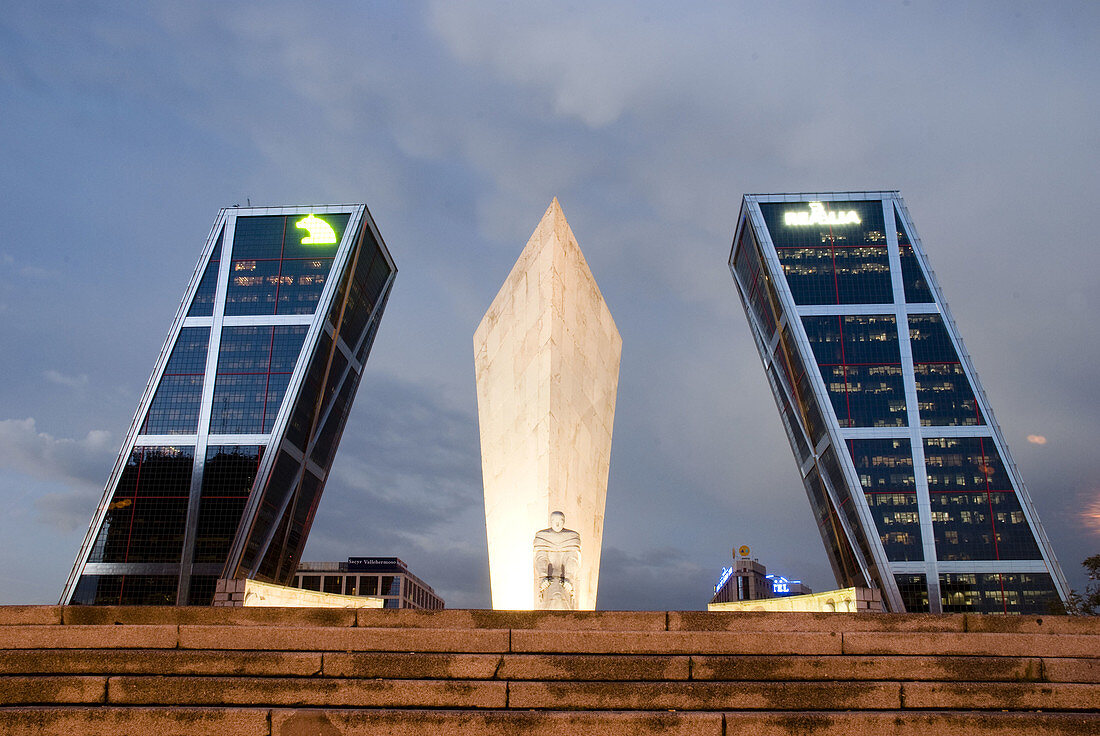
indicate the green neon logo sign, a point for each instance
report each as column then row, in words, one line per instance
column 320, row 232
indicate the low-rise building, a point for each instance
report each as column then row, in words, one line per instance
column 384, row 577
column 748, row 580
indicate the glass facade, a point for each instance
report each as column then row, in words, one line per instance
column 906, row 472
column 261, row 366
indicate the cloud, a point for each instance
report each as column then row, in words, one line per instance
column 79, row 466
column 79, row 381
column 40, row 455
column 67, row 511
column 1090, row 515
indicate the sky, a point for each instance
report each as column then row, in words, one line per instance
column 125, row 127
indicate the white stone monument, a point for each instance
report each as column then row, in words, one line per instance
column 546, row 359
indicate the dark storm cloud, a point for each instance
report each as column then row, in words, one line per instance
column 457, row 122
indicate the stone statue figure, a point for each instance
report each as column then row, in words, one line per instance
column 557, row 560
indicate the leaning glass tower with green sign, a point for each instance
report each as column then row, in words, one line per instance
column 233, row 439
column 908, row 474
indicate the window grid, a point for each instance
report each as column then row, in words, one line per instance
column 271, row 272
column 1023, row 593
column 228, row 475
column 254, row 369
column 975, row 512
column 860, row 364
column 178, row 398
column 944, row 394
column 203, row 303
column 147, row 514
column 885, row 469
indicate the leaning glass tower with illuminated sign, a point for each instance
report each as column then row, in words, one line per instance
column 907, row 472
column 233, row 439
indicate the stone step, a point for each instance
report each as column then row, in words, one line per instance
column 748, row 621
column 356, row 638
column 544, row 695
column 550, row 667
column 340, row 671
column 164, row 661
column 44, row 721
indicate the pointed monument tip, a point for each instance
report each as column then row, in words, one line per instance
column 554, row 216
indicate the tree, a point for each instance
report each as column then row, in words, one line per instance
column 1087, row 604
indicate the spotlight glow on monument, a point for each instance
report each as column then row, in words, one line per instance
column 546, row 358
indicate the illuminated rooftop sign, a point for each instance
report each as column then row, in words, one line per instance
column 726, row 572
column 320, row 232
column 819, row 216
column 782, row 586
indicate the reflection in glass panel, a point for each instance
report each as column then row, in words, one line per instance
column 789, row 360
column 975, row 512
column 1011, row 592
column 365, row 291
column 300, row 285
column 329, row 434
column 830, row 465
column 259, row 237
column 914, row 592
column 238, row 404
column 175, row 406
column 832, row 264
column 276, row 390
column 280, row 485
column 252, row 287
column 189, row 353
column 226, row 483
column 391, row 585
column 795, row 430
column 860, row 365
column 885, row 469
column 126, row 590
column 254, row 370
column 840, row 552
column 203, row 303
column 286, row 346
column 202, row 590
column 245, row 350
column 944, row 394
column 758, row 292
column 145, row 519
